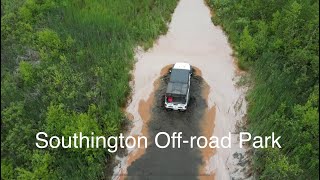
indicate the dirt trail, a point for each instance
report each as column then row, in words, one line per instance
column 194, row 39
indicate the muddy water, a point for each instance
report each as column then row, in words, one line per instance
column 181, row 163
column 194, row 39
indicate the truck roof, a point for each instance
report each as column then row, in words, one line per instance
column 179, row 82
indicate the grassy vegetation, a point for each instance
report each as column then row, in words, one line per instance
column 65, row 69
column 277, row 41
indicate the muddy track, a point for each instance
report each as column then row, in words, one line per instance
column 218, row 108
column 169, row 163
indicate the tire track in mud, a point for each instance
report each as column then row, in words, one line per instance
column 168, row 163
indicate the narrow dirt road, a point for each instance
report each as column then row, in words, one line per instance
column 194, row 39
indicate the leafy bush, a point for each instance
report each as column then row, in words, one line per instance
column 278, row 43
column 64, row 69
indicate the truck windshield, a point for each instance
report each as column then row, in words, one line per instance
column 179, row 75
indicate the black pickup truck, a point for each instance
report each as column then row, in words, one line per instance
column 178, row 90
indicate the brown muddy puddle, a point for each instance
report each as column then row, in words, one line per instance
column 181, row 163
column 191, row 38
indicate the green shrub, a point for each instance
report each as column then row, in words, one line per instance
column 64, row 69
column 277, row 42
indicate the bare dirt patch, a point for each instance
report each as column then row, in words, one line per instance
column 207, row 127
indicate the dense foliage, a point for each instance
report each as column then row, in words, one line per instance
column 65, row 69
column 277, row 41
